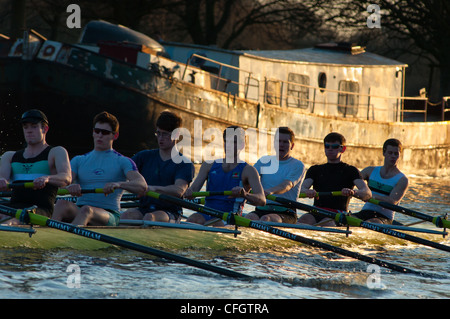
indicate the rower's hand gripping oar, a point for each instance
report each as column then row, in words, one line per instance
column 242, row 221
column 28, row 216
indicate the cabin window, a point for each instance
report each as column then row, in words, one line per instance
column 251, row 89
column 348, row 103
column 298, row 95
column 273, row 90
column 322, row 81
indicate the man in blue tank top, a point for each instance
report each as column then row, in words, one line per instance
column 228, row 174
column 46, row 166
column 105, row 168
column 387, row 183
column 162, row 174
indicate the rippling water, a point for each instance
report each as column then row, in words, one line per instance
column 284, row 272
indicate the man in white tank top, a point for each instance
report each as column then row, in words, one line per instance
column 387, row 183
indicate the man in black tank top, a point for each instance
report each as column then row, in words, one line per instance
column 47, row 167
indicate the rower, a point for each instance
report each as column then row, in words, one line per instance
column 46, row 166
column 105, row 168
column 229, row 173
column 387, row 183
column 162, row 173
column 285, row 181
column 332, row 176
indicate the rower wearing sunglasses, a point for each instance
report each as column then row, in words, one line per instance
column 103, row 168
column 334, row 175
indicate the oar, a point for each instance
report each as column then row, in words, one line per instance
column 21, row 185
column 339, row 193
column 439, row 221
column 353, row 221
column 30, row 231
column 63, row 191
column 228, row 193
column 188, row 226
column 212, row 193
column 242, row 221
column 28, row 216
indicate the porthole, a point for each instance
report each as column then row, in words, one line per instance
column 322, row 81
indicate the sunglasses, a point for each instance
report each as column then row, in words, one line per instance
column 163, row 134
column 102, row 131
column 333, row 146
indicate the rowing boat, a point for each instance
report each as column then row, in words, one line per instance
column 191, row 236
column 165, row 236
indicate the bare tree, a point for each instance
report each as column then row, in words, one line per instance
column 423, row 28
column 222, row 22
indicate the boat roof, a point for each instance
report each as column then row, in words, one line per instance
column 99, row 30
column 325, row 56
column 330, row 54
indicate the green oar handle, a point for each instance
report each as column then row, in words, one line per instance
column 21, row 185
column 63, row 191
column 215, row 193
column 336, row 193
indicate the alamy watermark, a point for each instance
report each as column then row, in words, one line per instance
column 74, row 19
column 374, row 279
column 247, row 145
column 74, row 278
column 374, row 19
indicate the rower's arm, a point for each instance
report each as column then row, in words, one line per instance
column 135, row 183
column 198, row 182
column 396, row 194
column 363, row 192
column 63, row 176
column 281, row 188
column 5, row 170
column 250, row 177
column 306, row 188
column 177, row 189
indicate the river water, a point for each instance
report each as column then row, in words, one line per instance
column 283, row 273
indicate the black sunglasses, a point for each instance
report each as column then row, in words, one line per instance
column 102, row 131
column 333, row 146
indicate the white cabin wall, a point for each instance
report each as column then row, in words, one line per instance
column 383, row 84
column 381, row 81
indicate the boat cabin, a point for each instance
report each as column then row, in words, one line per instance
column 340, row 80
